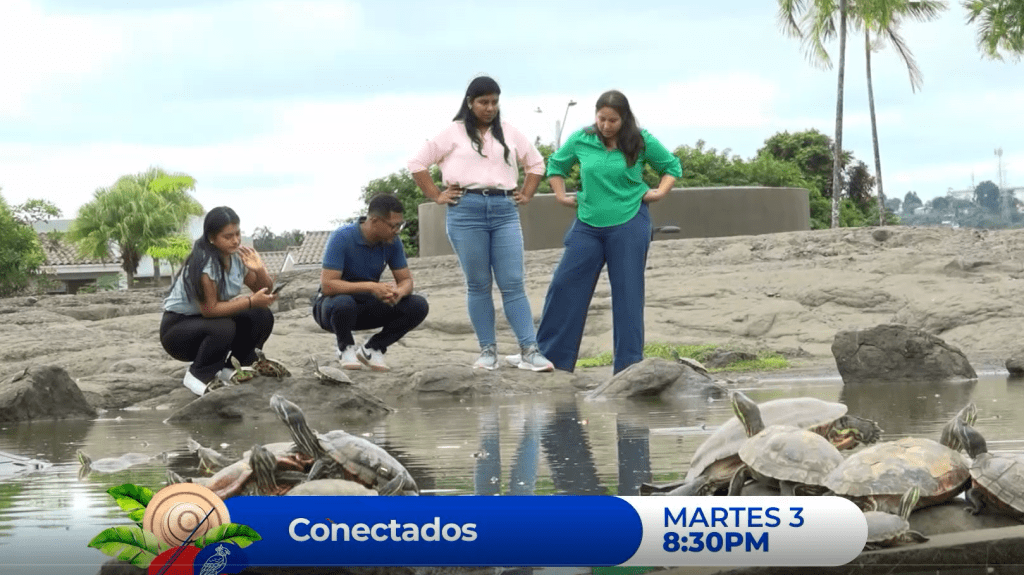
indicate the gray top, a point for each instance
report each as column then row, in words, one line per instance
column 178, row 302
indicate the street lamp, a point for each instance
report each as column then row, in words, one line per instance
column 559, row 127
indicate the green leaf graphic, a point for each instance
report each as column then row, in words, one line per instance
column 133, row 499
column 132, row 544
column 241, row 535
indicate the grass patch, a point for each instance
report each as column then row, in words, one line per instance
column 765, row 361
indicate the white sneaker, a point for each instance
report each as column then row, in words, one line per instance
column 348, row 358
column 225, row 375
column 533, row 360
column 374, row 359
column 193, row 384
column 488, row 358
column 513, row 360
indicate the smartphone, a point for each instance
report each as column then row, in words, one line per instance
column 277, row 287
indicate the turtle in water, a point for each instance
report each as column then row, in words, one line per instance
column 890, row 530
column 786, row 456
column 269, row 367
column 11, row 464
column 717, row 459
column 997, row 481
column 210, row 460
column 114, row 464
column 341, row 455
column 876, row 477
column 329, row 375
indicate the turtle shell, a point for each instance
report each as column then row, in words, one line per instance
column 1000, row 478
column 366, row 462
column 330, row 375
column 876, row 477
column 788, row 453
column 725, row 442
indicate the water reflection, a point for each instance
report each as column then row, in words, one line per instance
column 633, row 442
column 905, row 408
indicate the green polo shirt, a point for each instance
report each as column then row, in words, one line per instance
column 611, row 193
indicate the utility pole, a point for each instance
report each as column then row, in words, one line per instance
column 1004, row 195
column 560, row 127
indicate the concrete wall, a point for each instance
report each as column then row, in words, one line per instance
column 698, row 212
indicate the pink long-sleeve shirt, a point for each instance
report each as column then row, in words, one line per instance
column 462, row 165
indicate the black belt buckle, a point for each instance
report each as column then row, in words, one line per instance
column 489, row 191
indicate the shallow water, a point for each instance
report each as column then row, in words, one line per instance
column 512, row 445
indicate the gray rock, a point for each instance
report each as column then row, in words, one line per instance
column 897, row 352
column 46, row 392
column 452, row 380
column 723, row 358
column 653, row 377
column 1015, row 363
column 953, row 517
column 120, row 389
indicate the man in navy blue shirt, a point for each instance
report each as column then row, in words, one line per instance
column 352, row 297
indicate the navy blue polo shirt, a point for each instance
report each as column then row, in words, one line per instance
column 347, row 251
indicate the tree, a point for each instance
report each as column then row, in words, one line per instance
column 986, row 195
column 174, row 250
column 33, row 211
column 911, row 202
column 859, row 185
column 20, row 252
column 883, row 19
column 1000, row 26
column 264, row 240
column 940, row 204
column 129, row 215
column 405, row 189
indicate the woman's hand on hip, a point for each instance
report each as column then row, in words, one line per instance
column 567, row 200
column 653, row 195
column 449, row 195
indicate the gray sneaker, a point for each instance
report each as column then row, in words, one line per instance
column 533, row 360
column 488, row 358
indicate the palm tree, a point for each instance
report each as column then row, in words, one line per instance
column 818, row 18
column 126, row 214
column 884, row 23
column 1000, row 26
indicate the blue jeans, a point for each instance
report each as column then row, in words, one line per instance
column 486, row 235
column 587, row 250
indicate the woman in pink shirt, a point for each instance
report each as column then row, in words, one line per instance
column 479, row 156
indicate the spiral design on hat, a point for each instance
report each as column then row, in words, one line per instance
column 176, row 510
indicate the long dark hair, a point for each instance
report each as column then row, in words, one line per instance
column 204, row 251
column 481, row 86
column 630, row 140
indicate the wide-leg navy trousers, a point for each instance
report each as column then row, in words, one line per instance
column 587, row 249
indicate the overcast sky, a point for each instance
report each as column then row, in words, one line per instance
column 284, row 110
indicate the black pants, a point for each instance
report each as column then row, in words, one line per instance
column 342, row 314
column 206, row 341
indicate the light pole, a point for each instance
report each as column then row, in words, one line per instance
column 559, row 127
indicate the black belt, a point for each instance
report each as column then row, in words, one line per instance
column 490, row 192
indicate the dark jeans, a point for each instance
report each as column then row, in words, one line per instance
column 344, row 313
column 206, row 341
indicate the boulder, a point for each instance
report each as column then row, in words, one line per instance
column 1015, row 363
column 653, row 377
column 45, row 392
column 897, row 352
column 724, row 358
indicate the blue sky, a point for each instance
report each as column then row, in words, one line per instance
column 284, row 110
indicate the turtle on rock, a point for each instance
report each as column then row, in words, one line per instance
column 876, row 477
column 889, row 530
column 716, row 460
column 997, row 481
column 329, row 375
column 269, row 367
column 792, row 458
column 260, row 472
column 338, row 454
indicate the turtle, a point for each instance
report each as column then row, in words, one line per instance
column 270, row 470
column 241, row 374
column 269, row 367
column 342, row 455
column 690, row 362
column 114, row 464
column 11, row 464
column 716, row 460
column 331, row 487
column 997, row 481
column 329, row 375
column 784, row 455
column 876, row 477
column 890, row 530
column 949, row 438
column 210, row 460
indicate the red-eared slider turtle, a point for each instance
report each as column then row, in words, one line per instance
column 690, row 362
column 889, row 530
column 716, row 460
column 345, row 456
column 329, row 375
column 115, row 464
column 949, row 437
column 997, row 480
column 789, row 457
column 269, row 367
column 210, row 460
column 11, row 464
column 270, row 471
column 876, row 477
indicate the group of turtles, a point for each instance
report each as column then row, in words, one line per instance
column 332, row 463
column 793, row 447
column 264, row 366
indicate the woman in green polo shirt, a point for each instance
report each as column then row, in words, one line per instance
column 612, row 226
